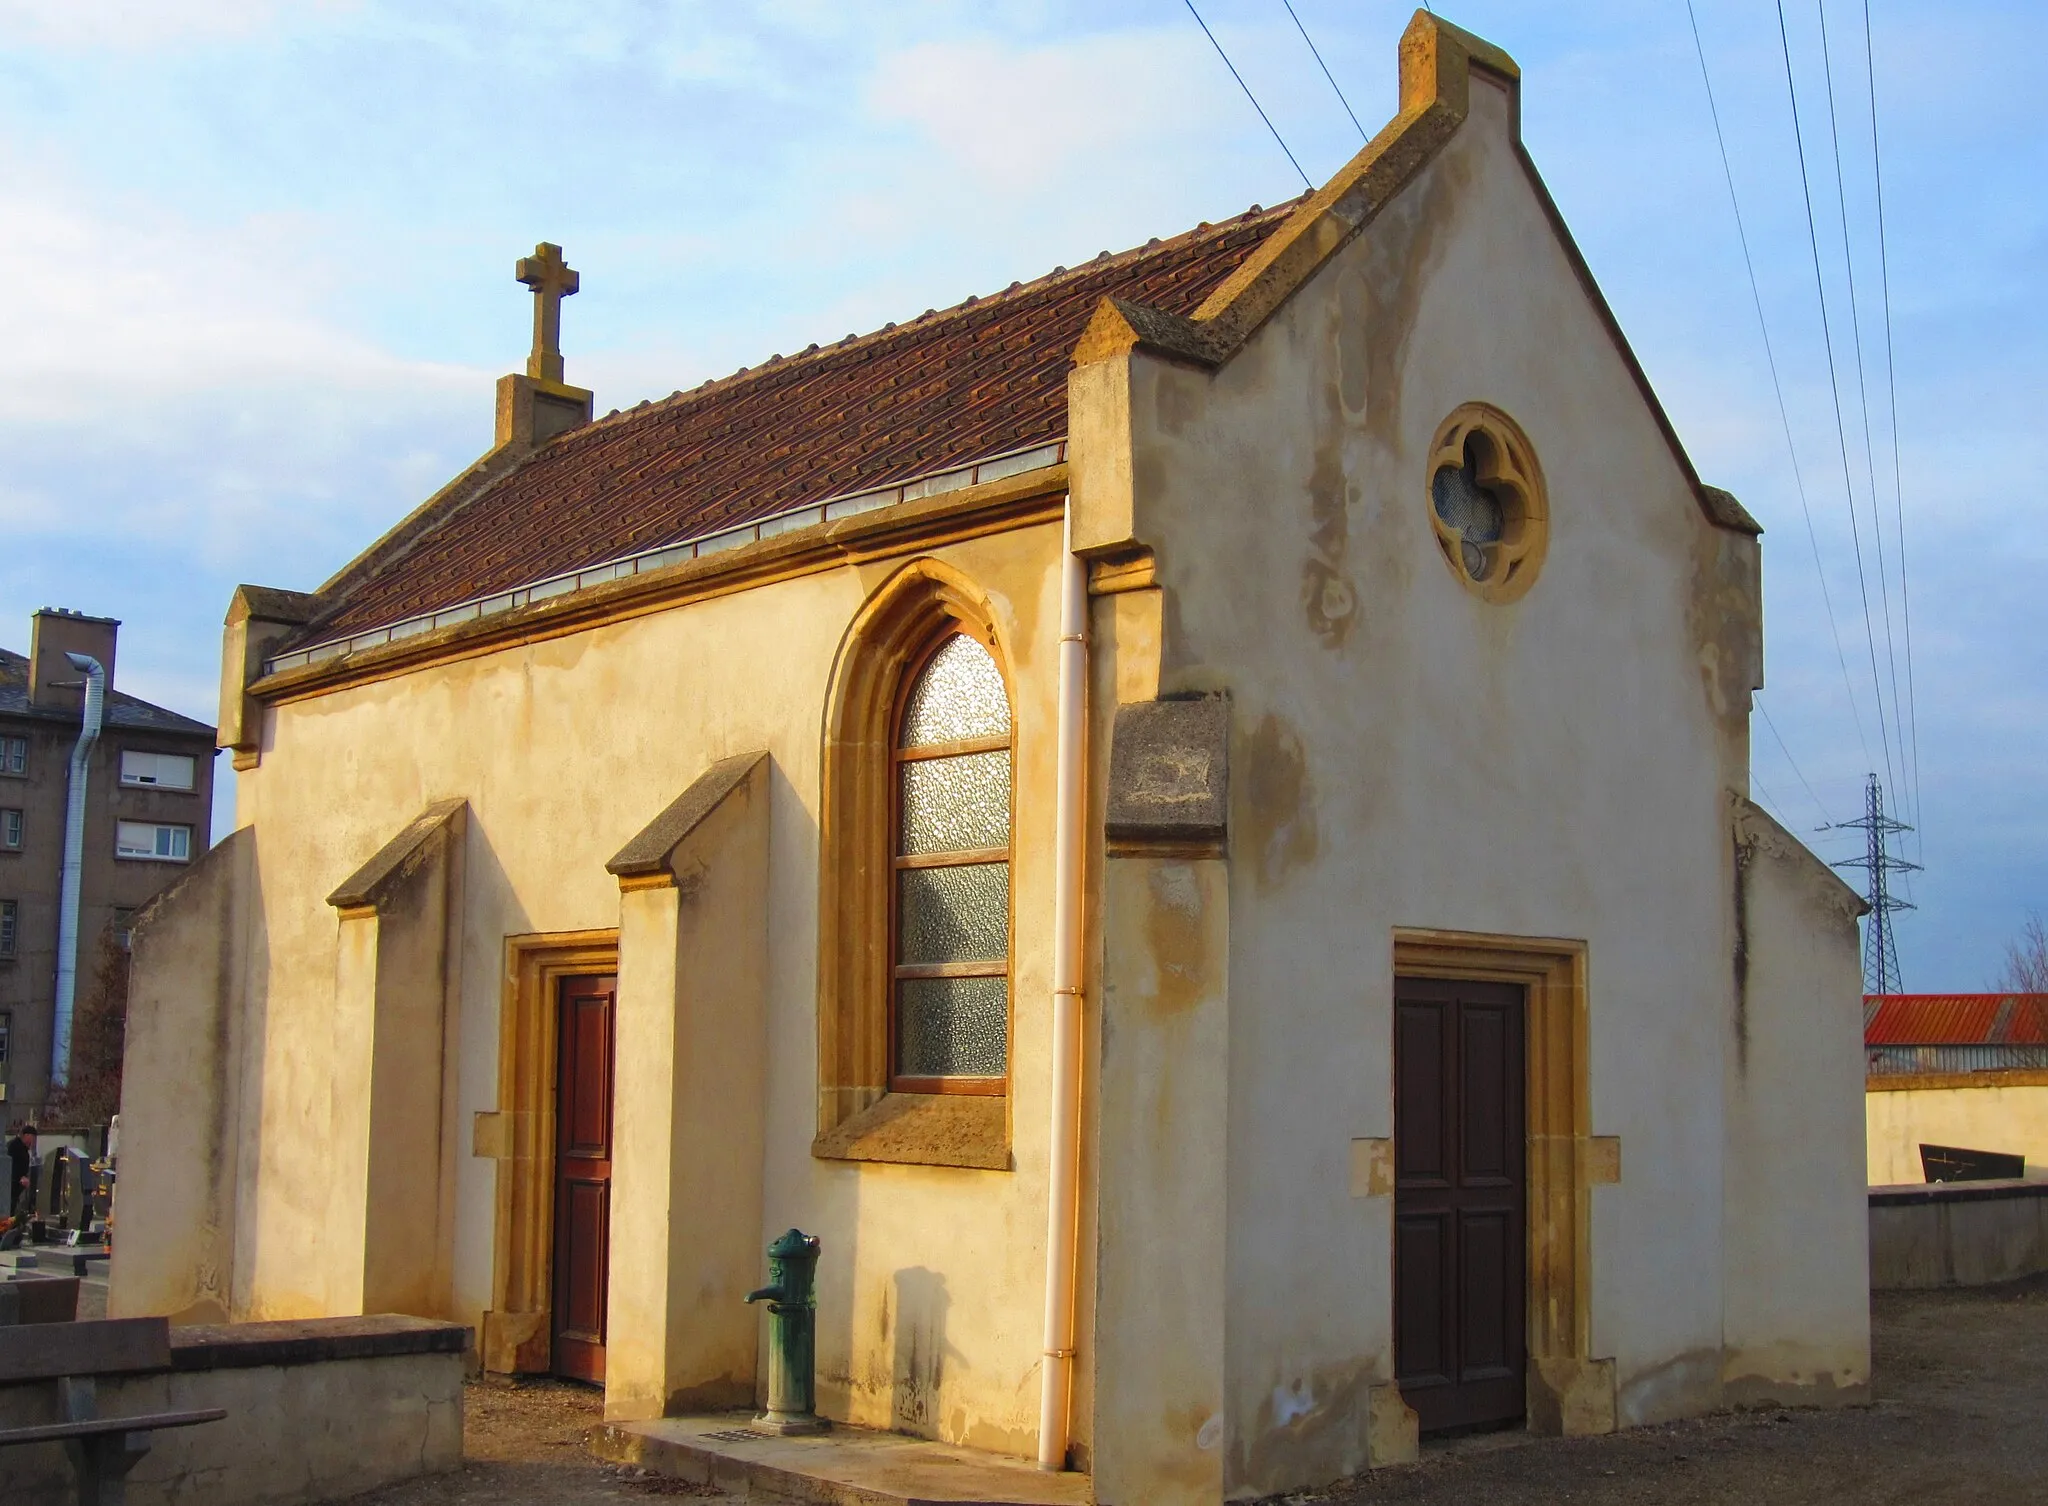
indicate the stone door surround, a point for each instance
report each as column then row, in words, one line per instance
column 520, row 1136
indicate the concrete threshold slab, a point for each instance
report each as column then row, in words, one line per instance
column 843, row 1467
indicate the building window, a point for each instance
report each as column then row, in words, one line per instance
column 1487, row 503
column 13, row 755
column 10, row 830
column 122, row 924
column 166, row 771
column 10, row 923
column 915, row 932
column 143, row 839
column 951, row 931
column 6, row 1041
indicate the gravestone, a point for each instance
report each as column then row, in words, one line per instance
column 1954, row 1163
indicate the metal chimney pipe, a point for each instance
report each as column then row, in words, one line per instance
column 74, row 865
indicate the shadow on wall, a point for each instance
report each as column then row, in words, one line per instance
column 922, row 1353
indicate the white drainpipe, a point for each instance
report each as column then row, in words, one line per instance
column 74, row 863
column 1062, row 1217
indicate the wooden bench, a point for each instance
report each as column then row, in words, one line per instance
column 75, row 1355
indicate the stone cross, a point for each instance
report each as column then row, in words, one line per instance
column 552, row 280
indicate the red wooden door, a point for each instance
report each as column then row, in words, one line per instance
column 1460, row 1174
column 583, row 1175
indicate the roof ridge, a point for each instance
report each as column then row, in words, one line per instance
column 973, row 303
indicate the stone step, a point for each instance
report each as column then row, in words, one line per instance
column 843, row 1467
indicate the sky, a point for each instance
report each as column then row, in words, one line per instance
column 258, row 287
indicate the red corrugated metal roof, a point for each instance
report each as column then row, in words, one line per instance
column 1955, row 1019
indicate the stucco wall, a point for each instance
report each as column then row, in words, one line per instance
column 932, row 1278
column 1409, row 755
column 1986, row 1115
column 181, row 1095
column 1797, row 1222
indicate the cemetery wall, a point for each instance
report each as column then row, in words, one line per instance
column 315, row 1413
column 1997, row 1111
column 1957, row 1234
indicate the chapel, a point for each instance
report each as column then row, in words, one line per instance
column 1188, row 819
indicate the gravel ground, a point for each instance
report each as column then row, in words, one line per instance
column 522, row 1444
column 1962, row 1386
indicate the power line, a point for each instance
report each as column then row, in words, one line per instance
column 1777, row 386
column 1835, row 390
column 1892, row 395
column 1884, row 595
column 1246, row 87
column 1772, row 802
column 1779, row 737
column 1325, row 67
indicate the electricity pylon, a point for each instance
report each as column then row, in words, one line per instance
column 1880, row 946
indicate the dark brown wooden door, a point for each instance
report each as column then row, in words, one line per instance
column 583, row 1175
column 1460, row 1173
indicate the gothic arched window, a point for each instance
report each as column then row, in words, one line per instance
column 950, row 900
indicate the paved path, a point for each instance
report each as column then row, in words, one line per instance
column 1962, row 1387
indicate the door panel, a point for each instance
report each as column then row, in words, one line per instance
column 583, row 1174
column 1461, row 1165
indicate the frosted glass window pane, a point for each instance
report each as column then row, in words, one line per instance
column 952, row 1027
column 954, row 914
column 1469, row 510
column 956, row 804
column 958, row 694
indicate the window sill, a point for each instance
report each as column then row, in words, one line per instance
column 137, row 857
column 924, row 1129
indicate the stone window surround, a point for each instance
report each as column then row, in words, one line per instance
column 859, row 1118
column 1512, row 473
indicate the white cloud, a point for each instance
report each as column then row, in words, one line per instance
column 1026, row 116
column 149, row 304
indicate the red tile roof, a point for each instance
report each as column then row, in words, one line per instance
column 985, row 378
column 1955, row 1019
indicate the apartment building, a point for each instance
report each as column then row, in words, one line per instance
column 148, row 808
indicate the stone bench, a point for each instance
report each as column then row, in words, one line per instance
column 317, row 1409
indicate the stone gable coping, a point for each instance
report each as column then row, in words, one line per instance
column 649, row 853
column 396, row 859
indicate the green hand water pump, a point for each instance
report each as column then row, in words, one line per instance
column 792, row 1335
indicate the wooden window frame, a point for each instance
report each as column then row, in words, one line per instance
column 945, row 631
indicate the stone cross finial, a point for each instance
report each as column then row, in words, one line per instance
column 552, row 280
